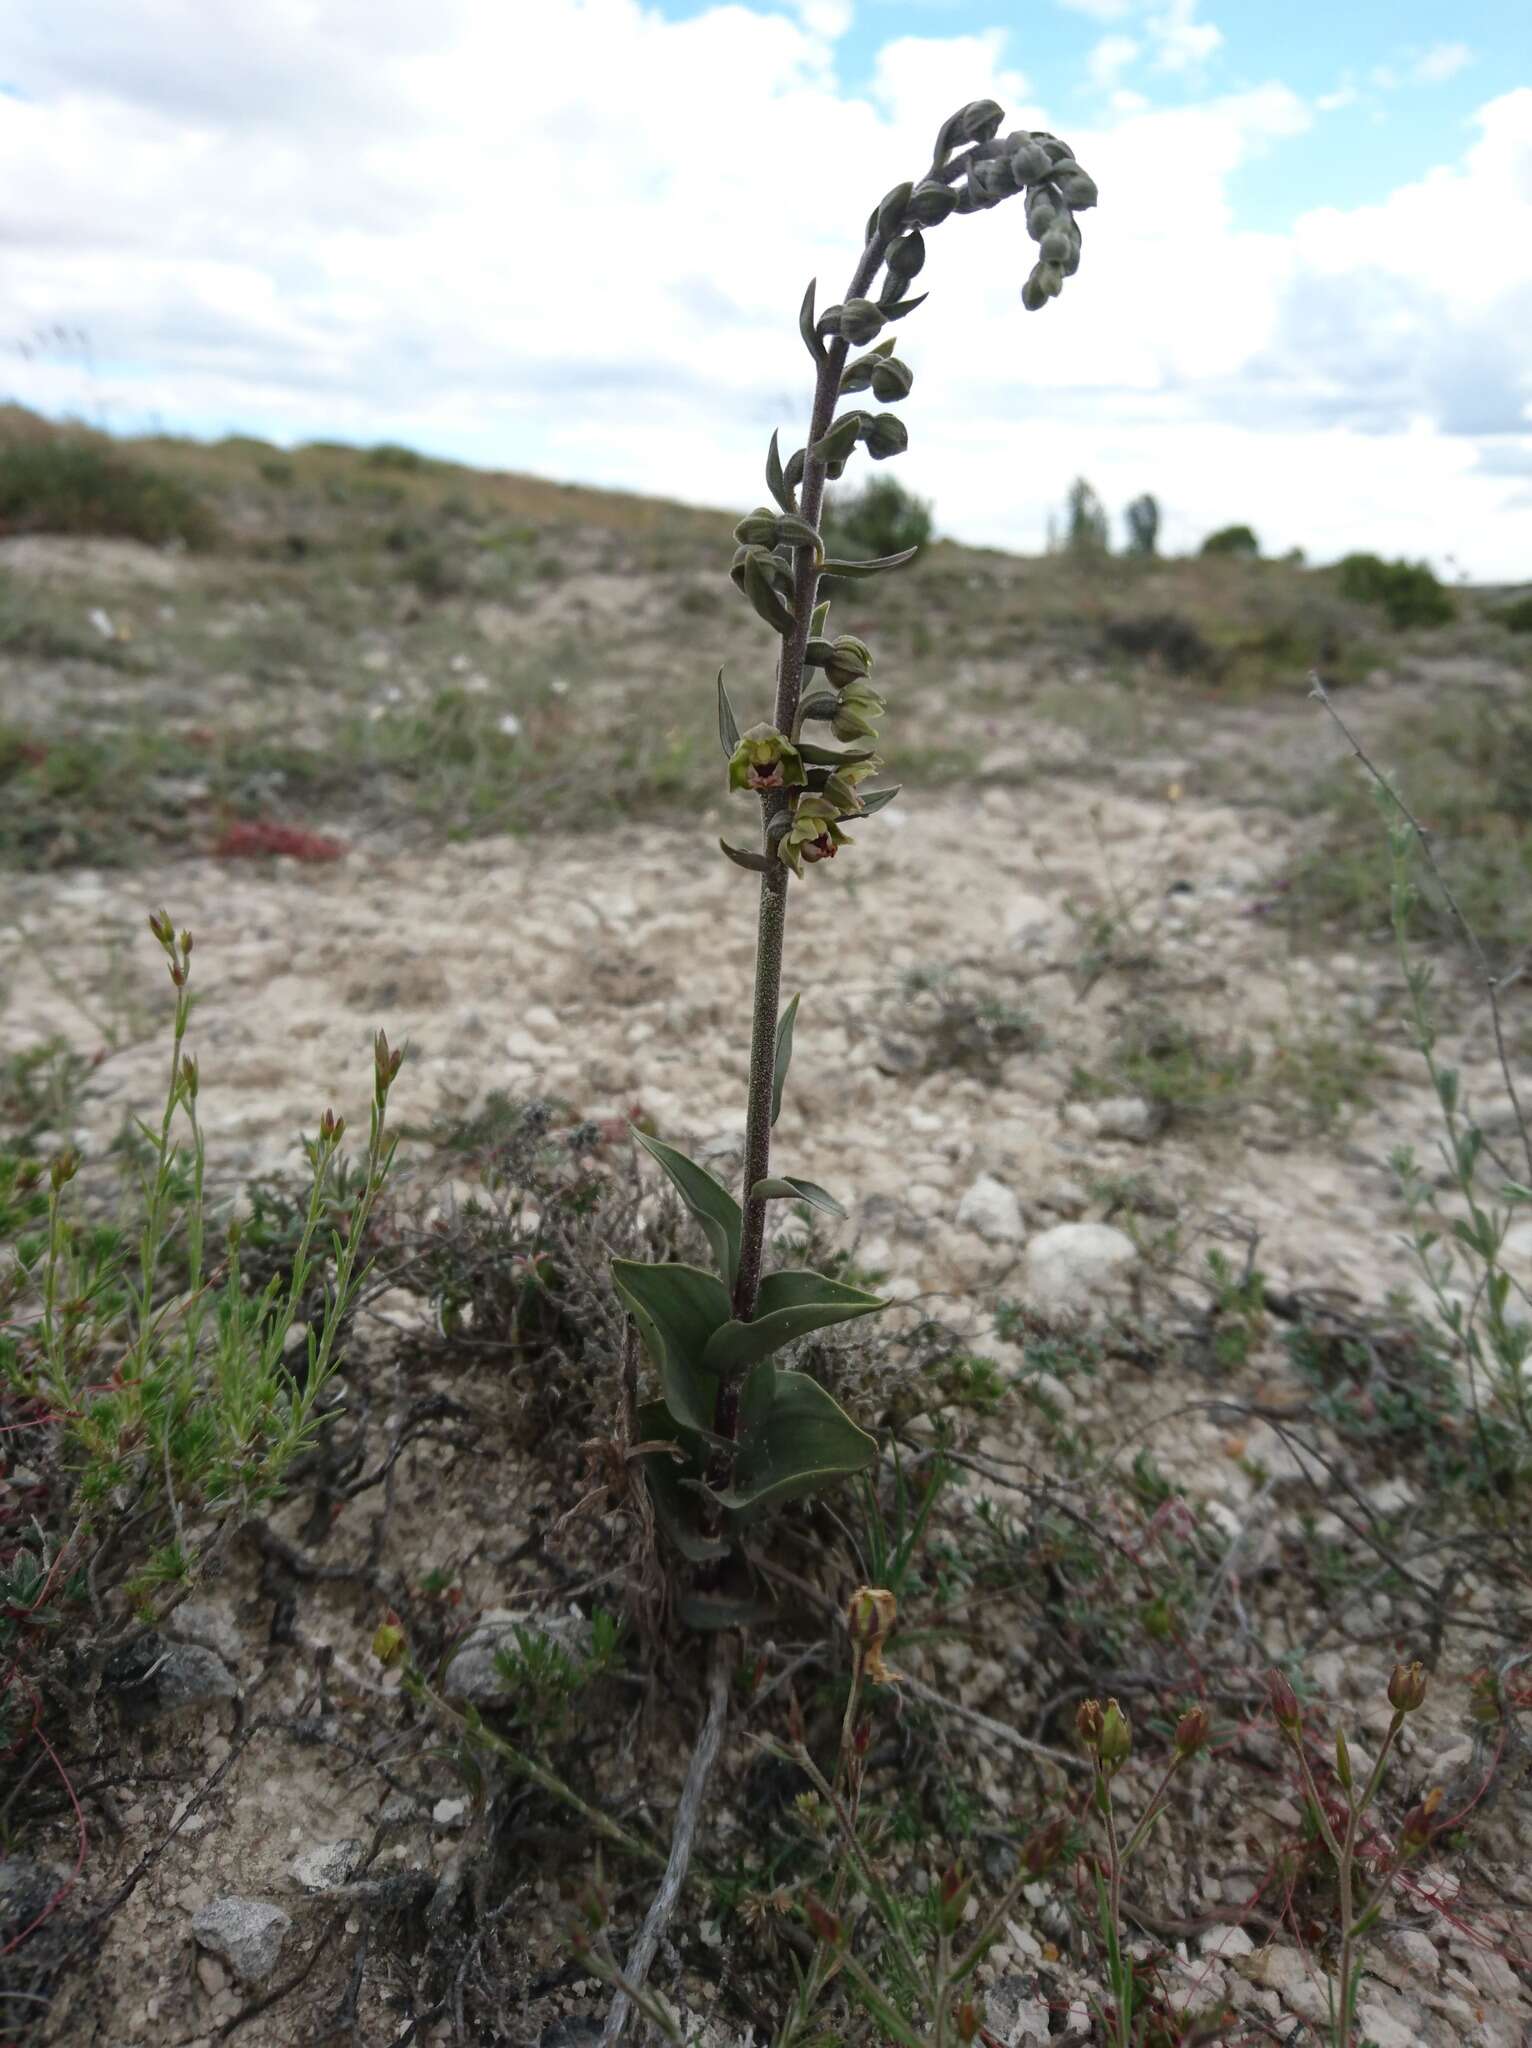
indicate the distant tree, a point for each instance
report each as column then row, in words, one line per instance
column 1232, row 540
column 1085, row 528
column 1143, row 518
column 1408, row 592
column 882, row 518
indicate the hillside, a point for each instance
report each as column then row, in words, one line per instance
column 1107, row 1048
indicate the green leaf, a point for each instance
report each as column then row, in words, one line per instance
column 806, row 323
column 709, row 1612
column 789, row 1306
column 853, row 570
column 675, row 1485
column 678, row 1310
column 776, row 483
column 788, row 1189
column 832, row 757
column 708, row 1199
column 822, row 704
column 757, row 863
column 805, row 1442
column 728, row 724
column 757, row 1395
column 875, row 799
column 784, row 1053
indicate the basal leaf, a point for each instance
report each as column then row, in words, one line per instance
column 675, row 1485
column 678, row 1309
column 805, row 1442
column 788, row 1306
column 708, row 1199
column 788, row 1188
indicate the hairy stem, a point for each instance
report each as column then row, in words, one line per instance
column 772, row 928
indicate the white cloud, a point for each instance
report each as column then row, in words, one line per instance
column 1441, row 62
column 560, row 243
column 1109, row 59
column 1181, row 42
column 1100, row 10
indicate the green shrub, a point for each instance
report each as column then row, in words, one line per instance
column 1517, row 617
column 1407, row 592
column 1232, row 540
column 882, row 518
column 73, row 484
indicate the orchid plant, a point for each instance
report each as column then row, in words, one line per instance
column 734, row 1432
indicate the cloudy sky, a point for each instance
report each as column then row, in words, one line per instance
column 570, row 236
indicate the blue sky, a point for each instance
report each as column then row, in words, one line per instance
column 571, row 238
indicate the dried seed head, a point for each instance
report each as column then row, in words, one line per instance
column 1192, row 1731
column 1284, row 1702
column 870, row 1616
column 1089, row 1720
column 1407, row 1687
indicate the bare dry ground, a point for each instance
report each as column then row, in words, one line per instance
column 1103, row 1048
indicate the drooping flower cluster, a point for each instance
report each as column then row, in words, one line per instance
column 808, row 791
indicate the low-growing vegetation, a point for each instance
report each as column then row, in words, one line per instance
column 547, row 1567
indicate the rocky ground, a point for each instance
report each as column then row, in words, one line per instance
column 1056, row 1044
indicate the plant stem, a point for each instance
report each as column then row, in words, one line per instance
column 772, row 927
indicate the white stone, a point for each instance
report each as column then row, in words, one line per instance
column 1125, row 1116
column 327, row 1864
column 992, row 1211
column 1067, row 1269
column 247, row 1933
column 1227, row 1942
column 1376, row 2025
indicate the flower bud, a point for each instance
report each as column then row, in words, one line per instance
column 992, row 180
column 1077, row 187
column 189, row 1076
column 1089, row 1721
column 1284, row 1702
column 388, row 1640
column 1342, row 1759
column 1420, row 1823
column 891, row 380
column 849, row 661
column 906, row 258
column 1407, row 1687
column 952, row 1897
column 885, row 434
column 1192, row 1731
column 765, row 759
column 930, row 203
column 840, row 788
column 758, row 528
column 888, row 215
column 870, row 1615
column 977, row 122
column 63, row 1168
column 825, row 1924
column 854, row 714
column 967, row 2021
column 1116, row 1739
column 1030, row 163
column 1041, row 1851
column 1057, row 245
column 839, row 438
column 860, row 321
